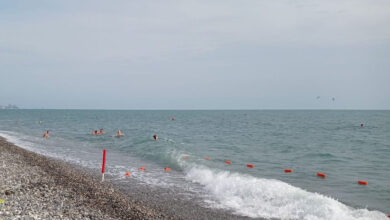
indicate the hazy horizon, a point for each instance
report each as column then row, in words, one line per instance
column 204, row 109
column 304, row 54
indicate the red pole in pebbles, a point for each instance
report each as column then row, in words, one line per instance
column 104, row 163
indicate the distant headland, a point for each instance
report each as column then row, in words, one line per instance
column 9, row 106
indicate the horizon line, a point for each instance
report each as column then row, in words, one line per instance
column 206, row 109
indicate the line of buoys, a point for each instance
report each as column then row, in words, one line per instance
column 250, row 165
column 323, row 175
column 361, row 182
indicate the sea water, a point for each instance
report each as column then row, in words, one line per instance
column 306, row 141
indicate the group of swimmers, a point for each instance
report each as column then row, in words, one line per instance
column 96, row 132
column 119, row 133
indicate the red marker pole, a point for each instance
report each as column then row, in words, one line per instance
column 104, row 163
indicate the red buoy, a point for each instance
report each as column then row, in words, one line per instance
column 228, row 162
column 167, row 169
column 288, row 171
column 250, row 165
column 142, row 168
column 361, row 182
column 207, row 158
column 323, row 175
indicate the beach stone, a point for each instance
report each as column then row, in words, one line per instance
column 9, row 192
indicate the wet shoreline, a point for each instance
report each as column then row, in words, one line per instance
column 39, row 187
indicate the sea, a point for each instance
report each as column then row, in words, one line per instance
column 346, row 145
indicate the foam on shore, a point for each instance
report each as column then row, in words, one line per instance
column 269, row 198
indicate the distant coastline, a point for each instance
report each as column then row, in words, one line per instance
column 9, row 106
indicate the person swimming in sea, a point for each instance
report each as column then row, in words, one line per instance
column 155, row 137
column 95, row 132
column 47, row 134
column 101, row 131
column 119, row 133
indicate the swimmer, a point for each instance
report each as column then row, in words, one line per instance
column 155, row 137
column 101, row 131
column 47, row 134
column 361, row 125
column 95, row 132
column 119, row 133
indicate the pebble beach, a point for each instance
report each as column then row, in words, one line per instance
column 35, row 187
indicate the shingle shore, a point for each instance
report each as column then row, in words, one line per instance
column 36, row 187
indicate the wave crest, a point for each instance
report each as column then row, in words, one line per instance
column 269, row 198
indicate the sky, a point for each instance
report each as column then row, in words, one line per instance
column 203, row 54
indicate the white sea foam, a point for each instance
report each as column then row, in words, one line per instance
column 13, row 138
column 269, row 198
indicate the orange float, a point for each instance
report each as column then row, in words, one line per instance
column 361, row 182
column 323, row 175
column 207, row 158
column 167, row 169
column 142, row 168
column 288, row 170
column 228, row 162
column 128, row 174
column 250, row 165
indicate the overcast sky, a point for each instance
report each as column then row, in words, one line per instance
column 203, row 54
